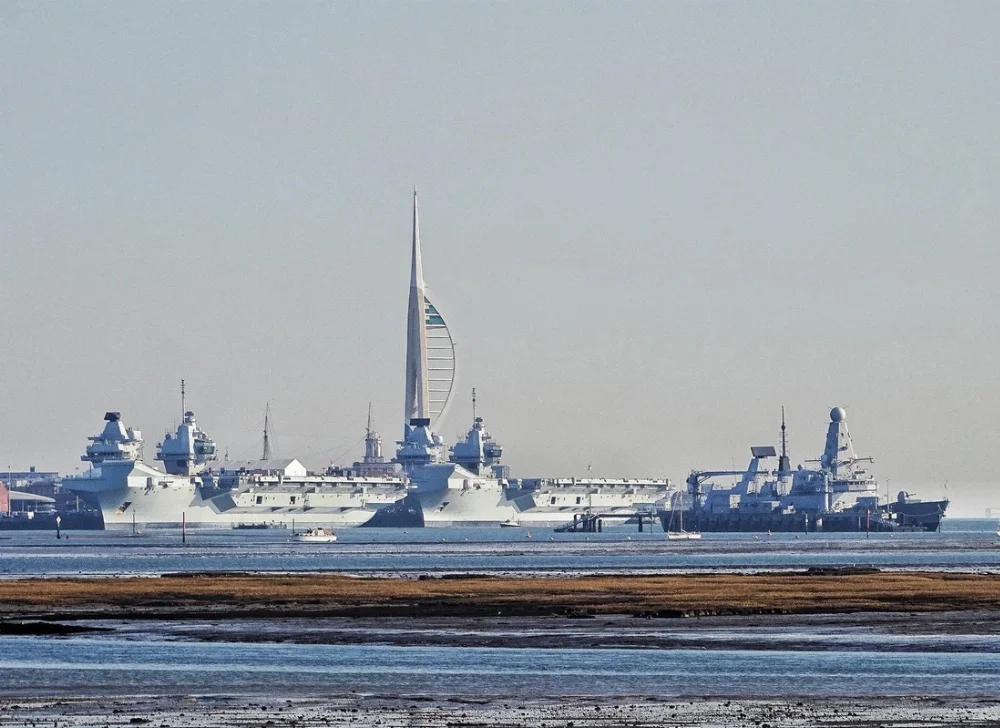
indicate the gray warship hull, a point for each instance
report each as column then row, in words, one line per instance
column 918, row 516
column 839, row 495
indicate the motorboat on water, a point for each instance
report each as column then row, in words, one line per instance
column 316, row 535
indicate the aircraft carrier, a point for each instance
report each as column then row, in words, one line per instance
column 427, row 484
column 192, row 488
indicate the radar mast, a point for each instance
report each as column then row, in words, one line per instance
column 784, row 464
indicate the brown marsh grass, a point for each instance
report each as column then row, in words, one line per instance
column 665, row 595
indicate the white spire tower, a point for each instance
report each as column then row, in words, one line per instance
column 417, row 395
column 430, row 369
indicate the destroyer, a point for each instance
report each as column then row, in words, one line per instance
column 838, row 495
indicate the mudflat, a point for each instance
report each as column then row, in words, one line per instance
column 214, row 711
column 263, row 595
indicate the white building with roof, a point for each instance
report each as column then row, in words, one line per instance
column 285, row 467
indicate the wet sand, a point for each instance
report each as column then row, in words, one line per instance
column 263, row 596
column 954, row 632
column 495, row 712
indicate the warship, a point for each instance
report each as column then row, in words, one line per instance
column 836, row 494
column 616, row 501
column 429, row 484
column 466, row 485
column 193, row 489
column 426, row 484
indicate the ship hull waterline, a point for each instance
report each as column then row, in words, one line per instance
column 927, row 520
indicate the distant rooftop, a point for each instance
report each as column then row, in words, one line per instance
column 272, row 465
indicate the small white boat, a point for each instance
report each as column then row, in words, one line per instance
column 682, row 535
column 316, row 535
column 511, row 522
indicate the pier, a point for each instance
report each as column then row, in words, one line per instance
column 594, row 522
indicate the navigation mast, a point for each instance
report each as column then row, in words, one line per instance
column 784, row 464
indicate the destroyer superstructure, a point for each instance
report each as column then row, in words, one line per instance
column 838, row 495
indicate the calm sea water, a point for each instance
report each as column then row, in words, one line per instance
column 962, row 545
column 101, row 665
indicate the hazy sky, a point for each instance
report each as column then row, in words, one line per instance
column 649, row 225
